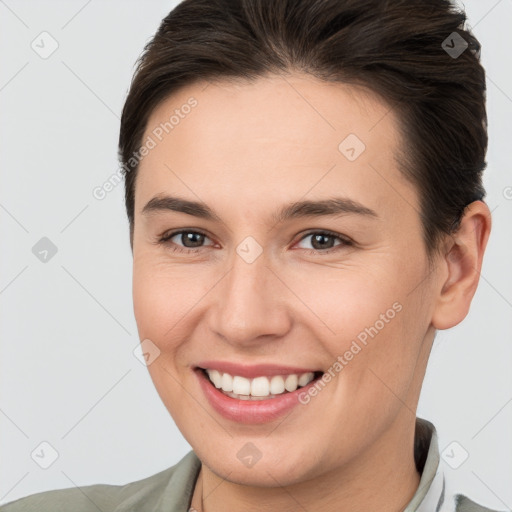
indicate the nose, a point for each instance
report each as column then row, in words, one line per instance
column 250, row 304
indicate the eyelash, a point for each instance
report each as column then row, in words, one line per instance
column 345, row 241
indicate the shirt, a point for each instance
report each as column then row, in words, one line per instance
column 171, row 490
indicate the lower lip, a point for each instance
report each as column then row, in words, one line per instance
column 250, row 411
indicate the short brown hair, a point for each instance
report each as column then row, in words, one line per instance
column 398, row 49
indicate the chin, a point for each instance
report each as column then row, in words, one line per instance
column 275, row 467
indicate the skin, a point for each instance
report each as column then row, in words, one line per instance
column 245, row 150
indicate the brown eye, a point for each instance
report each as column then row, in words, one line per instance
column 191, row 239
column 185, row 239
column 323, row 241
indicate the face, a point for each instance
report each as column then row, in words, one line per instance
column 303, row 256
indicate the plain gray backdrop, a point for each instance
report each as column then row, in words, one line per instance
column 69, row 376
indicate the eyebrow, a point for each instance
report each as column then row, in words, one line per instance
column 298, row 209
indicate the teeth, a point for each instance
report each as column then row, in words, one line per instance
column 241, row 385
column 305, row 378
column 276, row 385
column 227, row 382
column 259, row 387
column 291, row 383
column 215, row 377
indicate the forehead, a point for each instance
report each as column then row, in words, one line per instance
column 278, row 136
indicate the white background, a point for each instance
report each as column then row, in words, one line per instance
column 68, row 373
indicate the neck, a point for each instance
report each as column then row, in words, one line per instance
column 384, row 477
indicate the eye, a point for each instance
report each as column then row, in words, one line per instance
column 325, row 241
column 191, row 241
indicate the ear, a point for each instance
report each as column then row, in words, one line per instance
column 460, row 266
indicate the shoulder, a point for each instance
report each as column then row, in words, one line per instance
column 144, row 494
column 464, row 504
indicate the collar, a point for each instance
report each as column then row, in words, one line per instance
column 433, row 494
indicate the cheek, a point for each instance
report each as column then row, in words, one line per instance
column 343, row 301
column 163, row 299
column 367, row 315
column 162, row 295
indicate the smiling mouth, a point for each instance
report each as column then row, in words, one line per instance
column 258, row 388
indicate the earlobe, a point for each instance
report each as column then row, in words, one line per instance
column 462, row 263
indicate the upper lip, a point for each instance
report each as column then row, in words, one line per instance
column 252, row 371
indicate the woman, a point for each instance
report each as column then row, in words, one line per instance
column 303, row 187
